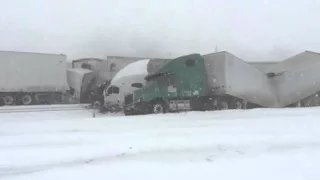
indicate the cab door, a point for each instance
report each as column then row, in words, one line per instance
column 172, row 88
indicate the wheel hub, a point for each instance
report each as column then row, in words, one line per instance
column 158, row 108
column 8, row 100
column 26, row 99
column 238, row 105
column 224, row 105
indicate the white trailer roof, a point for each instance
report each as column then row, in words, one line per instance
column 135, row 68
column 296, row 63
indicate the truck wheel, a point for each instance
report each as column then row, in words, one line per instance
column 128, row 113
column 8, row 100
column 158, row 108
column 1, row 102
column 237, row 105
column 26, row 99
column 223, row 105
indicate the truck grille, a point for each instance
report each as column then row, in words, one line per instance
column 128, row 99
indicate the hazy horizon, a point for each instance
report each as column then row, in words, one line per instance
column 253, row 30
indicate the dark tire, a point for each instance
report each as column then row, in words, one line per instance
column 1, row 102
column 223, row 105
column 8, row 100
column 128, row 113
column 238, row 104
column 159, row 107
column 26, row 99
column 210, row 106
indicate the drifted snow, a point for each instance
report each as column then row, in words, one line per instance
column 135, row 68
column 256, row 144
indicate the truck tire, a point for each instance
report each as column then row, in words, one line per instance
column 128, row 113
column 26, row 99
column 223, row 105
column 1, row 102
column 8, row 100
column 158, row 107
column 237, row 105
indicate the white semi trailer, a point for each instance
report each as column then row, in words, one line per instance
column 32, row 78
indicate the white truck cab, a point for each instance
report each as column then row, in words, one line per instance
column 127, row 80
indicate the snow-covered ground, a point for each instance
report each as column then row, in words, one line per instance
column 263, row 144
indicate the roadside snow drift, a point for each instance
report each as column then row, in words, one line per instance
column 264, row 144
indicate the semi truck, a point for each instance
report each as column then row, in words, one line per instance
column 195, row 82
column 32, row 78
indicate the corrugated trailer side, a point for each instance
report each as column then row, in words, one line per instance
column 22, row 72
column 228, row 74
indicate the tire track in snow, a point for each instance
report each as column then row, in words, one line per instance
column 207, row 154
column 8, row 171
column 36, row 145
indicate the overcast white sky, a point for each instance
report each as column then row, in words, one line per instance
column 255, row 30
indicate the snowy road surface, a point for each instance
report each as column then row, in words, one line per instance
column 263, row 144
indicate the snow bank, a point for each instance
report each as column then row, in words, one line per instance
column 259, row 144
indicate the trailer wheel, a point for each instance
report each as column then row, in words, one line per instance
column 129, row 113
column 26, row 99
column 8, row 100
column 223, row 105
column 237, row 105
column 1, row 102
